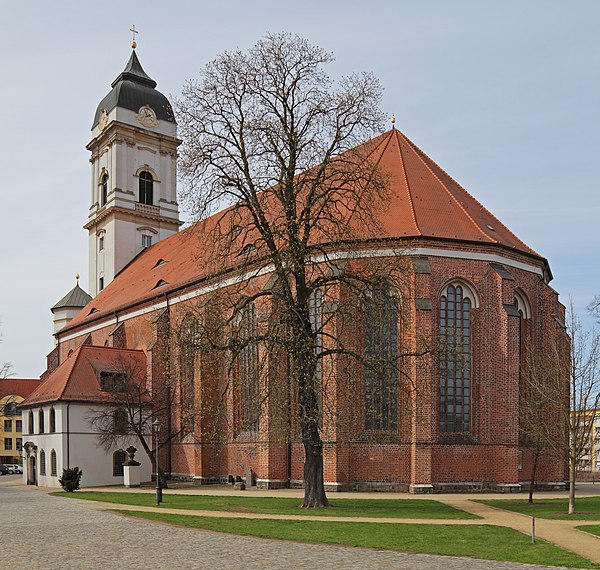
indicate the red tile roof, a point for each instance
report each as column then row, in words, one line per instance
column 18, row 386
column 425, row 202
column 77, row 378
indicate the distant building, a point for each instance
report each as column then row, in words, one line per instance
column 12, row 392
column 589, row 465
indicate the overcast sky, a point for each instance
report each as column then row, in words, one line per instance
column 503, row 95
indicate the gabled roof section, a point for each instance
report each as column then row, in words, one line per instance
column 76, row 298
column 424, row 203
column 18, row 386
column 77, row 379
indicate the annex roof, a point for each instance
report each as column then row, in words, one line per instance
column 424, row 203
column 18, row 386
column 77, row 378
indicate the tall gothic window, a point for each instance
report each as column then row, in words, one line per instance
column 30, row 422
column 42, row 462
column 52, row 420
column 455, row 360
column 41, row 421
column 103, row 189
column 381, row 359
column 187, row 368
column 146, row 188
column 248, row 369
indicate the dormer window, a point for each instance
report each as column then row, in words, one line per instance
column 146, row 188
column 103, row 189
column 161, row 283
column 159, row 262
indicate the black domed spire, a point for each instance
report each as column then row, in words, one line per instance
column 134, row 72
column 133, row 89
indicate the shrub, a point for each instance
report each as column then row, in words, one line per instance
column 70, row 479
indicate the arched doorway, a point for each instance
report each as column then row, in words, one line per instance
column 31, row 471
column 29, row 462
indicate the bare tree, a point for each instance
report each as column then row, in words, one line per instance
column 562, row 393
column 5, row 367
column 543, row 414
column 266, row 134
column 131, row 408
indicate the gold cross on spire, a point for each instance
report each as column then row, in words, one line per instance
column 133, row 32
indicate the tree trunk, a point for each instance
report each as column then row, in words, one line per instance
column 572, row 477
column 536, row 456
column 314, row 488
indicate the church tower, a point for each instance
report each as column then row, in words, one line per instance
column 133, row 195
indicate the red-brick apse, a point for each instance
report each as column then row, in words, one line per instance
column 472, row 300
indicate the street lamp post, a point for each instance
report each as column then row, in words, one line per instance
column 156, row 426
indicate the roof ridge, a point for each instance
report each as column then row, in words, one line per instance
column 415, row 148
column 408, row 192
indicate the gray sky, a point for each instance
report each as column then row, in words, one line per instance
column 503, row 95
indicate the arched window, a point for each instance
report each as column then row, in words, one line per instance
column 146, row 188
column 41, row 420
column 523, row 307
column 248, row 368
column 380, row 315
column 456, row 303
column 119, row 458
column 187, row 369
column 11, row 409
column 52, row 420
column 42, row 462
column 103, row 189
column 53, row 467
column 30, row 422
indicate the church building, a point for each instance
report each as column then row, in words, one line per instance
column 467, row 277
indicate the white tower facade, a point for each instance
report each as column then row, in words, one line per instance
column 134, row 174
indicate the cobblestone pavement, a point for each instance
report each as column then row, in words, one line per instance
column 38, row 531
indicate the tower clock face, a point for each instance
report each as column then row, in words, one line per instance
column 147, row 117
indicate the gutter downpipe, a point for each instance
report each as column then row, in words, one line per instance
column 68, row 436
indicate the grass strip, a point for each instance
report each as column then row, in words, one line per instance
column 376, row 508
column 478, row 541
column 591, row 528
column 587, row 508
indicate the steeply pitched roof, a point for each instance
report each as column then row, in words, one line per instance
column 76, row 298
column 424, row 203
column 18, row 386
column 77, row 378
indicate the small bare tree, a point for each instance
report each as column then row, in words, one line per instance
column 562, row 388
column 266, row 134
column 131, row 407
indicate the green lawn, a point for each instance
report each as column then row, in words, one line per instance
column 591, row 528
column 478, row 541
column 389, row 508
column 586, row 508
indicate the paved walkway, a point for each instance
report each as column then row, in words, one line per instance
column 40, row 531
